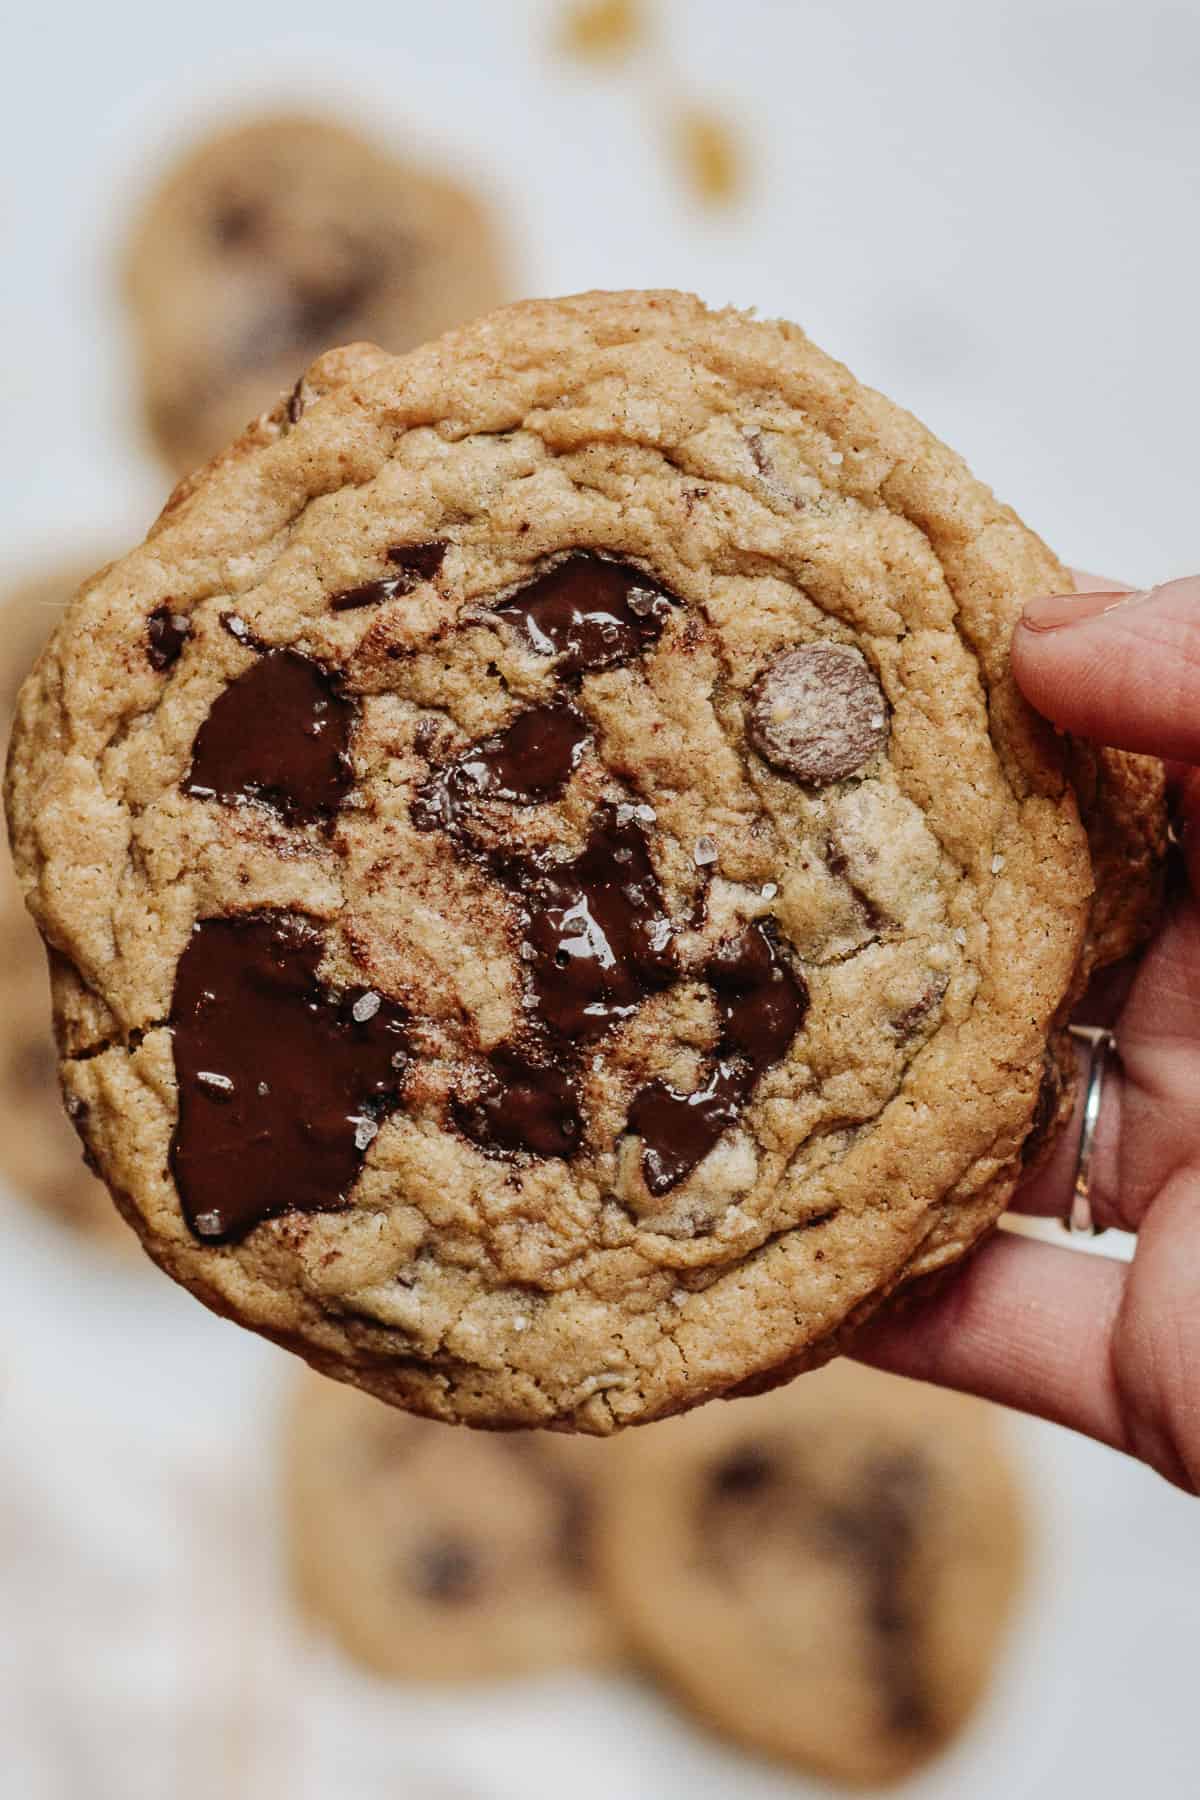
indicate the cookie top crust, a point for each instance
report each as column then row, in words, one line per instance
column 579, row 778
column 824, row 1572
column 276, row 237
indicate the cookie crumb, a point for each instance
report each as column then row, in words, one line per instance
column 601, row 30
column 709, row 155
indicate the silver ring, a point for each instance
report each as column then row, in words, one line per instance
column 1102, row 1046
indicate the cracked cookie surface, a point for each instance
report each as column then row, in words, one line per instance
column 440, row 1555
column 824, row 1572
column 674, row 1013
column 273, row 239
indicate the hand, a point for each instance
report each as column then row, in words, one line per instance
column 1112, row 1349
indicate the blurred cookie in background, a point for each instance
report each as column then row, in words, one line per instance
column 439, row 1553
column 40, row 1156
column 277, row 239
column 823, row 1572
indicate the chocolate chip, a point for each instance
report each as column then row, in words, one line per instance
column 237, row 222
column 914, row 1016
column 166, row 634
column 878, row 1530
column 448, row 1571
column 311, row 316
column 1045, row 1111
column 817, row 713
column 596, row 938
column 322, row 307
column 414, row 562
column 589, row 612
column 522, row 1105
column 79, row 1112
column 277, row 735
column 761, row 1004
column 530, row 761
column 282, row 1082
column 419, row 560
column 744, row 1471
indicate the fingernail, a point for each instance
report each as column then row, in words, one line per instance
column 1049, row 612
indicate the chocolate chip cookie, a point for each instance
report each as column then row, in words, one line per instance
column 441, row 1555
column 41, row 1158
column 825, row 1572
column 271, row 241
column 559, row 907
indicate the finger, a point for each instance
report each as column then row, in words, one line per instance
column 1156, row 1344
column 1120, row 669
column 1023, row 1324
column 1147, row 1125
column 1087, row 583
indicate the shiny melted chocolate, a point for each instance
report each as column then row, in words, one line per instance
column 761, row 1004
column 597, row 940
column 282, row 1083
column 166, row 634
column 278, row 735
column 590, row 613
column 413, row 563
column 531, row 760
column 523, row 1105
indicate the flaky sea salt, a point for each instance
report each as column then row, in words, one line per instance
column 365, row 1007
column 960, row 936
column 997, row 863
column 705, row 851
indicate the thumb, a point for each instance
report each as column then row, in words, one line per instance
column 1122, row 669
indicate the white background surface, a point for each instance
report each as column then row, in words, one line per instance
column 989, row 211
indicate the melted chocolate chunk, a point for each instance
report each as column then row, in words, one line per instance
column 589, row 612
column 1045, row 1111
column 761, row 1004
column 447, row 1571
column 522, row 1106
column 879, row 1532
column 415, row 563
column 281, row 1083
column 166, row 634
column 421, row 561
column 597, row 940
column 530, row 761
column 278, row 735
column 818, row 713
